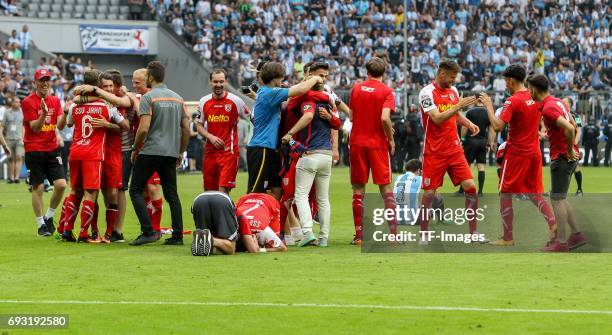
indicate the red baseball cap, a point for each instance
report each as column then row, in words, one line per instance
column 42, row 73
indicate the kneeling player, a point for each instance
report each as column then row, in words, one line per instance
column 259, row 220
column 216, row 231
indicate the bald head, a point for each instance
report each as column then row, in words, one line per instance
column 139, row 81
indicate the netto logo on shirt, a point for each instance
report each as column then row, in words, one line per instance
column 444, row 107
column 218, row 118
column 367, row 89
column 48, row 127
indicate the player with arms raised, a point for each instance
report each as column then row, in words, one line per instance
column 440, row 104
column 521, row 171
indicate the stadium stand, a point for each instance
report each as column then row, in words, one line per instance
column 485, row 36
column 74, row 9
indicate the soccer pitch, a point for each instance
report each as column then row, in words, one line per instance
column 155, row 289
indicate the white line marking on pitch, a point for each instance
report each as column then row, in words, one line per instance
column 338, row 306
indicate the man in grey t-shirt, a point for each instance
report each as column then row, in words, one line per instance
column 161, row 139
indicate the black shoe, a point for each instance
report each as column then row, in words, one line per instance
column 480, row 194
column 85, row 239
column 202, row 242
column 117, row 237
column 16, row 181
column 43, row 231
column 174, row 241
column 68, row 236
column 50, row 226
column 145, row 239
column 9, row 181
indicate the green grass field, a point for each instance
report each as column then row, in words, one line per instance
column 155, row 289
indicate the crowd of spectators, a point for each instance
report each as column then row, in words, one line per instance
column 568, row 40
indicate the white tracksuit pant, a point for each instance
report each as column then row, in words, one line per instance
column 313, row 168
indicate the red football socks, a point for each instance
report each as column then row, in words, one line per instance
column 426, row 202
column 507, row 214
column 87, row 217
column 358, row 214
column 70, row 210
column 156, row 214
column 471, row 202
column 389, row 199
column 546, row 211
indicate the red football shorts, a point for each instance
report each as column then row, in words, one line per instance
column 86, row 175
column 436, row 165
column 112, row 175
column 365, row 159
column 220, row 171
column 154, row 180
column 521, row 174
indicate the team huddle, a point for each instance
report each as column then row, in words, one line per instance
column 138, row 137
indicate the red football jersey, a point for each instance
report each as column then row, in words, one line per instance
column 220, row 118
column 522, row 115
column 552, row 109
column 439, row 138
column 292, row 114
column 259, row 210
column 368, row 99
column 113, row 138
column 45, row 139
column 88, row 143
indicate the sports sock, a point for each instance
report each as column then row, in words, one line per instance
column 507, row 214
column 358, row 214
column 87, row 217
column 112, row 212
column 426, row 203
column 94, row 222
column 578, row 176
column 75, row 213
column 297, row 234
column 546, row 210
column 50, row 213
column 471, row 202
column 389, row 199
column 481, row 179
column 147, row 201
column 156, row 214
column 67, row 209
column 40, row 220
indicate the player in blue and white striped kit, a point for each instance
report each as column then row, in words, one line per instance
column 407, row 188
